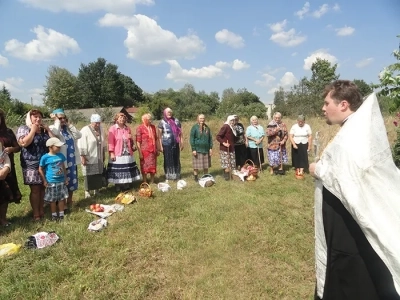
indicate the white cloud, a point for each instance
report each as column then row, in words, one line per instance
column 322, row 54
column 85, row 6
column 148, row 42
column 344, row 31
column 323, row 9
column 12, row 84
column 238, row 65
column 364, row 62
column 336, row 7
column 225, row 36
column 284, row 38
column 176, row 72
column 47, row 45
column 302, row 12
column 3, row 60
column 294, row 54
column 279, row 26
column 268, row 80
column 288, row 80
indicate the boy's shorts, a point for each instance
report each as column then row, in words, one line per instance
column 55, row 192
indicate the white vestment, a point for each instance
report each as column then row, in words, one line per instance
column 357, row 167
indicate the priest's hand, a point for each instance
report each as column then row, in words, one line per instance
column 312, row 169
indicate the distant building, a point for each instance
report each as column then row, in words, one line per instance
column 270, row 109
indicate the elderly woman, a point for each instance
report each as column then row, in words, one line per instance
column 241, row 143
column 92, row 148
column 277, row 137
column 32, row 138
column 10, row 144
column 148, row 147
column 201, row 143
column 255, row 135
column 226, row 138
column 122, row 169
column 6, row 194
column 301, row 139
column 67, row 134
column 171, row 141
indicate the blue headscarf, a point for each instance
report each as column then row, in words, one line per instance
column 58, row 111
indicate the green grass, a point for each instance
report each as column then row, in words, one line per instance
column 251, row 240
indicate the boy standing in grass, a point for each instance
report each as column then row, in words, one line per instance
column 53, row 172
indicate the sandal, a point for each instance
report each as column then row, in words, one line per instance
column 36, row 218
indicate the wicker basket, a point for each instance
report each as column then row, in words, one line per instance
column 251, row 167
column 125, row 197
column 145, row 190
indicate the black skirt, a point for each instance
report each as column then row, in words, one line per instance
column 300, row 156
column 241, row 154
column 257, row 156
column 354, row 270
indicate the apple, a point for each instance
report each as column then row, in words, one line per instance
column 98, row 205
column 97, row 209
column 92, row 207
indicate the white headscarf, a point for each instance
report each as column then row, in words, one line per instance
column 28, row 120
column 231, row 118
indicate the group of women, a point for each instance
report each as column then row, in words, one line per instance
column 88, row 148
column 237, row 144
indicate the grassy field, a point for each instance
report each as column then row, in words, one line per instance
column 251, row 240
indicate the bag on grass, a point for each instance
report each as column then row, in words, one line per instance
column 41, row 240
column 206, row 180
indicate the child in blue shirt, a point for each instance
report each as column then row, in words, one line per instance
column 53, row 172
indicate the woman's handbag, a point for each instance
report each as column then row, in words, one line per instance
column 206, row 180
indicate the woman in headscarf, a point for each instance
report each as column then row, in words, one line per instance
column 201, row 143
column 10, row 144
column 92, row 148
column 255, row 135
column 277, row 137
column 148, row 147
column 67, row 134
column 301, row 139
column 6, row 195
column 241, row 143
column 226, row 138
column 171, row 141
column 122, row 169
column 32, row 138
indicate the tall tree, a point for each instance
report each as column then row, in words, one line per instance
column 390, row 81
column 323, row 73
column 100, row 84
column 61, row 89
column 364, row 87
column 133, row 94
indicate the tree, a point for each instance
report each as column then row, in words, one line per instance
column 364, row 88
column 100, row 84
column 323, row 73
column 133, row 95
column 390, row 81
column 5, row 99
column 61, row 89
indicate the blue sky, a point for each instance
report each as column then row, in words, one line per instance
column 256, row 44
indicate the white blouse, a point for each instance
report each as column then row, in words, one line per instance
column 300, row 134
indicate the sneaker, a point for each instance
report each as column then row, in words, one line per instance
column 87, row 195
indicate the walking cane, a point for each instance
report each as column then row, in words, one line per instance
column 229, row 162
column 259, row 159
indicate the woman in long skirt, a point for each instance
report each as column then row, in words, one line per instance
column 277, row 136
column 255, row 135
column 148, row 147
column 92, row 148
column 241, row 144
column 301, row 139
column 226, row 139
column 121, row 169
column 171, row 141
